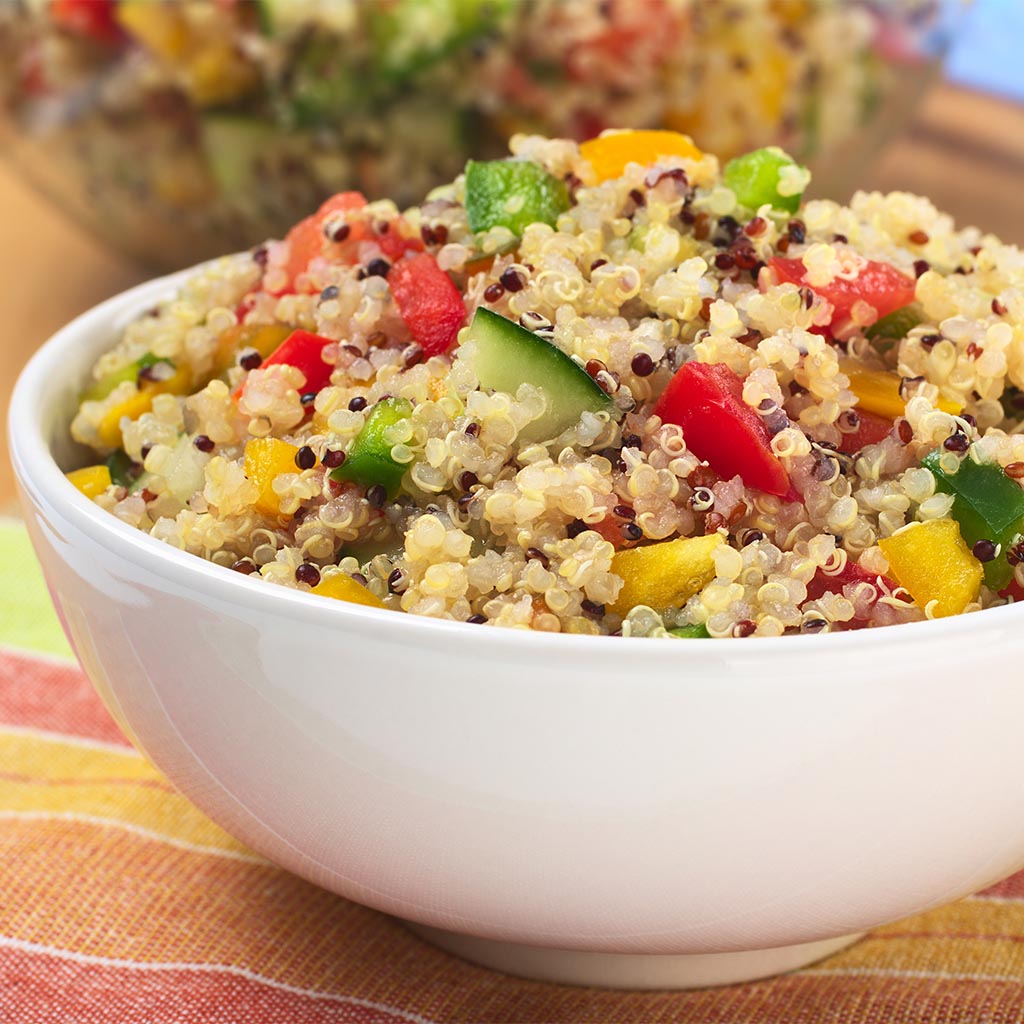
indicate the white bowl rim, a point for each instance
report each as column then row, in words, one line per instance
column 46, row 484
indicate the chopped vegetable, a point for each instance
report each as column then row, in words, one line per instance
column 880, row 285
column 512, row 194
column 878, row 391
column 266, row 458
column 706, row 400
column 611, row 153
column 933, row 564
column 508, row 355
column 99, row 390
column 264, row 338
column 92, row 18
column 833, row 583
column 306, row 240
column 304, row 351
column 664, row 575
column 123, row 471
column 92, row 481
column 178, row 383
column 897, row 324
column 482, row 262
column 428, row 301
column 987, row 504
column 870, row 430
column 342, row 587
column 369, row 460
column 697, row 631
column 756, row 179
column 162, row 28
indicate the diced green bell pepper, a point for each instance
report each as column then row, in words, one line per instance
column 987, row 505
column 512, row 194
column 123, row 471
column 696, row 631
column 897, row 325
column 754, row 178
column 369, row 458
column 100, row 389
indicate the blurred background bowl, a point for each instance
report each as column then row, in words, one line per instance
column 178, row 130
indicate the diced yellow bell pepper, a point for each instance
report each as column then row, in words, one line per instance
column 878, row 391
column 219, row 74
column 91, row 481
column 664, row 575
column 264, row 338
column 160, row 27
column 933, row 564
column 609, row 154
column 179, row 383
column 266, row 458
column 342, row 587
column 109, row 429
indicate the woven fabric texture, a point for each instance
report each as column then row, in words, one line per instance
column 121, row 903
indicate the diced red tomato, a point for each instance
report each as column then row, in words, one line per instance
column 304, row 351
column 706, row 400
column 428, row 301
column 610, row 529
column 93, row 18
column 872, row 429
column 306, row 240
column 1013, row 589
column 394, row 244
column 878, row 284
column 822, row 584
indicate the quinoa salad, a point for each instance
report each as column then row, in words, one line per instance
column 603, row 388
column 182, row 130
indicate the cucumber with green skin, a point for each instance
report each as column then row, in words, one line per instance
column 508, row 355
column 897, row 324
column 697, row 631
column 100, row 389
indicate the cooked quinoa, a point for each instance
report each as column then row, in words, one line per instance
column 181, row 129
column 647, row 272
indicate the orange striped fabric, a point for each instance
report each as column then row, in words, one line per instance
column 120, row 902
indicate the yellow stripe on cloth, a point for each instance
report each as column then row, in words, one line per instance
column 44, row 774
column 978, row 937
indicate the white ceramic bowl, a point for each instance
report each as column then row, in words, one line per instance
column 596, row 810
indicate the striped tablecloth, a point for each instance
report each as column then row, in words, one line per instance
column 120, row 902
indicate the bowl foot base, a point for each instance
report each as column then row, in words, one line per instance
column 631, row 970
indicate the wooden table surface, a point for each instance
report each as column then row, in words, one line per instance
column 965, row 150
